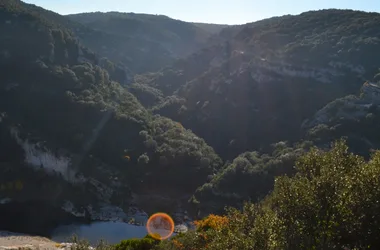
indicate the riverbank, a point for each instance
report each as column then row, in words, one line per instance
column 53, row 224
column 18, row 241
column 10, row 240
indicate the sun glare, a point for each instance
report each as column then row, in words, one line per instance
column 160, row 226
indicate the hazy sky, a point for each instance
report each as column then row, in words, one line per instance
column 211, row 11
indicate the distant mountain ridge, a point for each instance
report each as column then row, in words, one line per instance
column 143, row 42
column 212, row 28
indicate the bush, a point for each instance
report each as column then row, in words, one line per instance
column 143, row 159
column 331, row 203
column 250, row 176
column 146, row 243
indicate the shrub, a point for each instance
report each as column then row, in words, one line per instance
column 143, row 159
column 146, row 243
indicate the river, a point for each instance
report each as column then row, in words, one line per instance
column 37, row 218
column 111, row 232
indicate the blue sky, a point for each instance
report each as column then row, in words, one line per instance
column 210, row 11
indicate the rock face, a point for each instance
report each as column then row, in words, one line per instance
column 354, row 118
column 107, row 212
column 371, row 93
column 39, row 157
column 348, row 108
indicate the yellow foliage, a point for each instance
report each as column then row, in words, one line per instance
column 178, row 244
column 212, row 221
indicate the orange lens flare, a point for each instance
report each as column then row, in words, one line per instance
column 160, row 226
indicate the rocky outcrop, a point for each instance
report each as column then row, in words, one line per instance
column 324, row 75
column 38, row 156
column 371, row 93
column 349, row 107
column 359, row 69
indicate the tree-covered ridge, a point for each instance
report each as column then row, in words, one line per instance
column 32, row 33
column 340, row 39
column 19, row 8
column 211, row 28
column 249, row 177
column 250, row 96
column 346, row 36
column 255, row 78
column 46, row 39
column 129, row 24
column 141, row 42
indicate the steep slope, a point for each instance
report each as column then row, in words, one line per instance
column 142, row 42
column 269, row 77
column 118, row 72
column 355, row 117
column 66, row 122
column 337, row 38
column 250, row 176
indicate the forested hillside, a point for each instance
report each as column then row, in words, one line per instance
column 270, row 77
column 139, row 41
column 141, row 110
column 72, row 119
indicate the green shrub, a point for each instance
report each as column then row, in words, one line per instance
column 146, row 243
column 331, row 203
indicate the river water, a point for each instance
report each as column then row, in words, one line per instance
column 111, row 232
column 34, row 218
